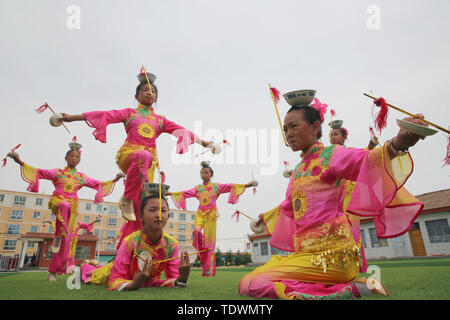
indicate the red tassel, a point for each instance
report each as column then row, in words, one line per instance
column 4, row 162
column 371, row 132
column 286, row 163
column 236, row 214
column 42, row 108
column 276, row 93
column 381, row 118
column 226, row 142
column 254, row 190
column 163, row 177
column 74, row 139
column 447, row 157
column 333, row 113
column 15, row 148
column 142, row 72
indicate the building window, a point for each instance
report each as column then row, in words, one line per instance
column 86, row 219
column 363, row 238
column 34, row 229
column 16, row 214
column 88, row 207
column 36, row 215
column 171, row 215
column 10, row 244
column 50, row 230
column 99, row 208
column 82, row 252
column 13, row 229
column 109, row 247
column 19, row 200
column 264, row 249
column 112, row 222
column 0, row 211
column 182, row 238
column 376, row 243
column 96, row 232
column 31, row 244
column 182, row 227
column 182, row 217
column 171, row 226
column 52, row 216
column 110, row 234
column 2, row 197
column 113, row 210
column 39, row 201
column 192, row 216
column 192, row 227
column 438, row 230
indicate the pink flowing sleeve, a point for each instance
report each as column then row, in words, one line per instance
column 104, row 189
column 101, row 119
column 32, row 175
column 170, row 270
column 185, row 137
column 235, row 190
column 87, row 226
column 179, row 198
column 378, row 191
column 280, row 223
column 120, row 273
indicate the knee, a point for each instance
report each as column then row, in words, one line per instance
column 142, row 155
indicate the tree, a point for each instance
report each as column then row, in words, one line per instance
column 228, row 258
column 219, row 259
column 239, row 259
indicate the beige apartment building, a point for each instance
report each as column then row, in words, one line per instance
column 24, row 213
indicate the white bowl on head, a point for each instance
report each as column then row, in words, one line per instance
column 153, row 188
column 143, row 78
column 300, row 97
column 336, row 124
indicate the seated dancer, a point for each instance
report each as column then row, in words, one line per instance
column 311, row 223
column 207, row 213
column 127, row 272
column 338, row 135
column 64, row 201
column 137, row 157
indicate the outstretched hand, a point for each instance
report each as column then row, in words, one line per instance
column 406, row 139
column 184, row 268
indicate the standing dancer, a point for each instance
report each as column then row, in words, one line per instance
column 64, row 201
column 311, row 223
column 137, row 157
column 338, row 136
column 207, row 213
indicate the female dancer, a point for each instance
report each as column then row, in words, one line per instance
column 311, row 223
column 124, row 272
column 137, row 157
column 64, row 201
column 207, row 213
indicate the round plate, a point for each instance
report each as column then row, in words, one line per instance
column 144, row 255
column 143, row 78
column 191, row 251
column 336, row 124
column 56, row 120
column 217, row 149
column 257, row 229
column 416, row 128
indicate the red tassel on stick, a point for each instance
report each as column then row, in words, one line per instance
column 236, row 214
column 42, row 108
column 276, row 93
column 4, row 162
column 142, row 72
column 371, row 132
column 447, row 157
column 381, row 117
column 333, row 113
column 226, row 142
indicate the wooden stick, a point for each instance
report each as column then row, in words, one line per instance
column 411, row 115
column 245, row 215
column 278, row 115
column 55, row 114
column 190, row 254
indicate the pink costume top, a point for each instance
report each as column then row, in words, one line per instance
column 67, row 182
column 311, row 219
column 142, row 125
column 126, row 263
column 208, row 194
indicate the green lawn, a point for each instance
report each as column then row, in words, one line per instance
column 405, row 280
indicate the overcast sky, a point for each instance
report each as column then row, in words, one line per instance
column 213, row 61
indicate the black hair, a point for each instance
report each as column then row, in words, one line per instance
column 68, row 152
column 140, row 85
column 205, row 166
column 152, row 196
column 310, row 114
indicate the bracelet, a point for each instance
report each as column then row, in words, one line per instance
column 395, row 151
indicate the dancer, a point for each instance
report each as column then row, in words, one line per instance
column 126, row 272
column 137, row 157
column 311, row 223
column 64, row 201
column 338, row 135
column 207, row 213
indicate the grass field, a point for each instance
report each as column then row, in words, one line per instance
column 418, row 279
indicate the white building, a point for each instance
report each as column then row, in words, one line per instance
column 429, row 235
